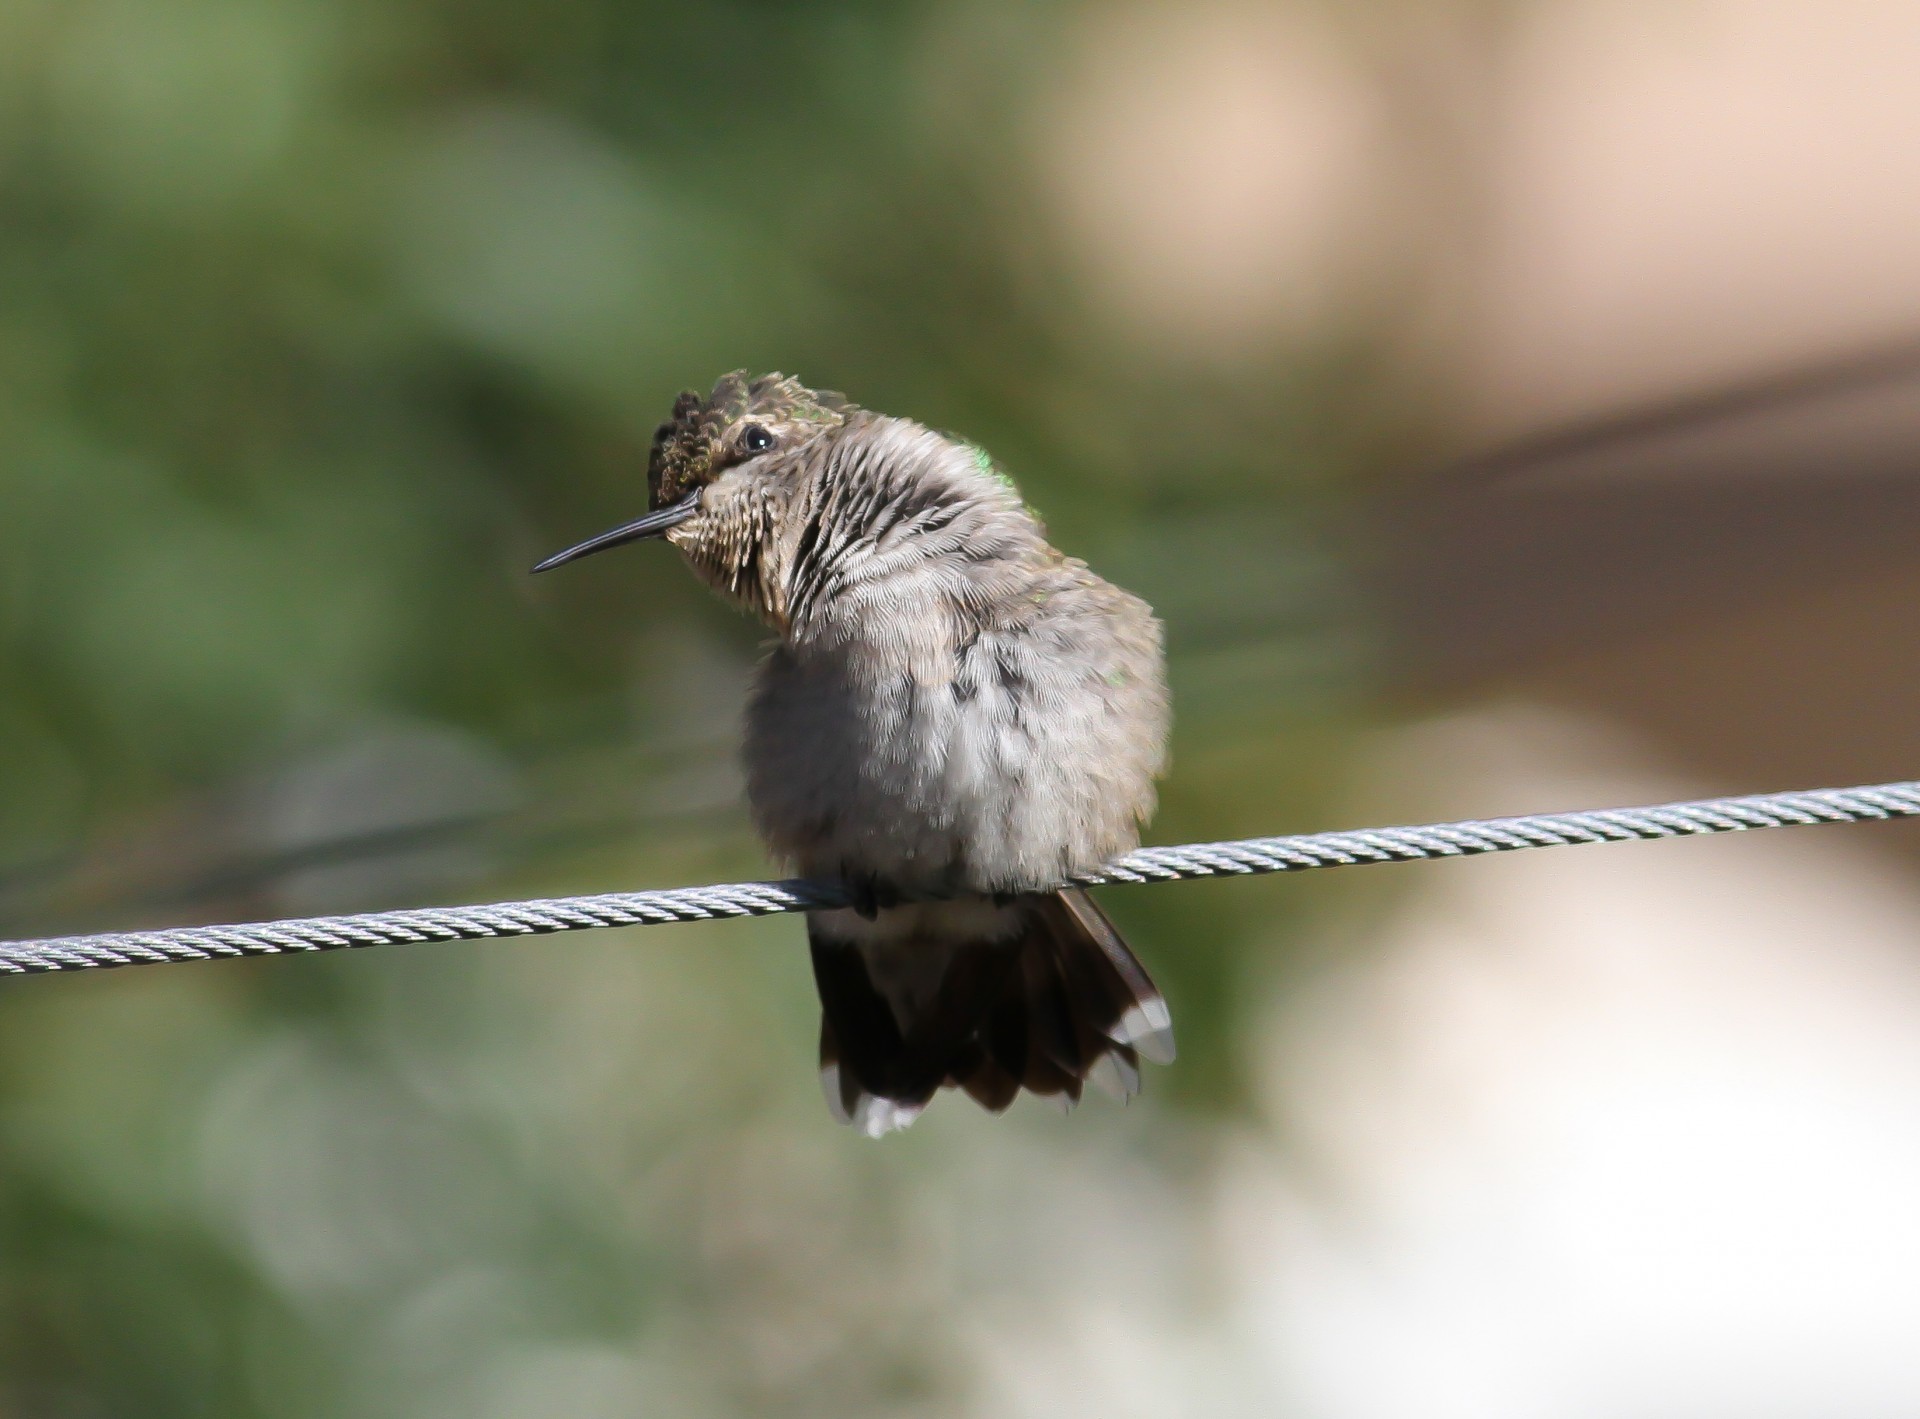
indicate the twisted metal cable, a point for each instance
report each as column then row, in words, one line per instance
column 1153, row 864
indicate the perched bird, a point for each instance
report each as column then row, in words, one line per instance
column 953, row 709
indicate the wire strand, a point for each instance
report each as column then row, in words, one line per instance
column 1247, row 857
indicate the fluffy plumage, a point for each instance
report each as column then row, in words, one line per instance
column 952, row 706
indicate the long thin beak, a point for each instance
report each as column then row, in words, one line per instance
column 652, row 525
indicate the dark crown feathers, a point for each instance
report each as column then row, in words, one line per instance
column 686, row 445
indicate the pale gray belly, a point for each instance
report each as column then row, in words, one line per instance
column 1001, row 768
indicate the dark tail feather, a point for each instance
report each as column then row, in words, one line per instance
column 1056, row 1004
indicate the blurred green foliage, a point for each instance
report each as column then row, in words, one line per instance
column 319, row 322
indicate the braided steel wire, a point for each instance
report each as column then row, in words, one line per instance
column 1247, row 857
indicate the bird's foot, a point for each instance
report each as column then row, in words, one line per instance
column 867, row 894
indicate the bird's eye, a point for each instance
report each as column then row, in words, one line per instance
column 755, row 439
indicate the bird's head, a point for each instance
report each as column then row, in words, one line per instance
column 723, row 469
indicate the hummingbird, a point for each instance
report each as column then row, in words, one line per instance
column 953, row 719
